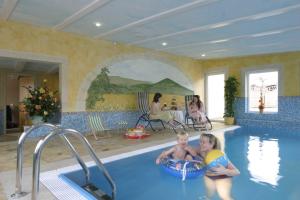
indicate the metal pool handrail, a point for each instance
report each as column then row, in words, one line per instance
column 18, row 191
column 37, row 156
column 19, row 169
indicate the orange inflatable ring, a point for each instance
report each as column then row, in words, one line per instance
column 137, row 136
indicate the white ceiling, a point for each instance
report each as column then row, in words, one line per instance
column 216, row 28
column 28, row 66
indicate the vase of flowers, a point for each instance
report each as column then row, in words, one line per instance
column 261, row 101
column 261, row 105
column 41, row 102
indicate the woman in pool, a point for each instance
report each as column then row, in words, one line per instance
column 217, row 178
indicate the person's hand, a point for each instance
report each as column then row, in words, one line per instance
column 219, row 170
column 157, row 161
column 188, row 148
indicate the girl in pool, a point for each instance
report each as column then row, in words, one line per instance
column 218, row 178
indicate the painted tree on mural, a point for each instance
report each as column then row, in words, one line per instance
column 98, row 87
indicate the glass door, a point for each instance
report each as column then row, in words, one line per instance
column 215, row 96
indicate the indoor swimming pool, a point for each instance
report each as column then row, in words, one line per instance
column 268, row 160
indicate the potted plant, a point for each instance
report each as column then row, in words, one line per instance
column 231, row 89
column 41, row 103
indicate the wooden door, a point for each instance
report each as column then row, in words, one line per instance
column 24, row 81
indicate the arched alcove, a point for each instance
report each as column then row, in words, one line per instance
column 132, row 73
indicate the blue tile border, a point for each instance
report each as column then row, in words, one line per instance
column 78, row 121
column 288, row 114
column 110, row 120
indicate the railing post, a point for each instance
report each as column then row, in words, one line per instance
column 40, row 146
column 19, row 168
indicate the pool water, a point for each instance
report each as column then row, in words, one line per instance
column 268, row 160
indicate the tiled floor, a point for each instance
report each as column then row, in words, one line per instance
column 57, row 155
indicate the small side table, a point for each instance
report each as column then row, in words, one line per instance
column 122, row 126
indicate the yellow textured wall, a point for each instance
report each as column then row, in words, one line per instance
column 128, row 102
column 289, row 61
column 82, row 54
column 52, row 81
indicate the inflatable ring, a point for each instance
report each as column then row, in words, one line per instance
column 182, row 168
column 137, row 136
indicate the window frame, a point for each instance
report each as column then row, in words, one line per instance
column 262, row 69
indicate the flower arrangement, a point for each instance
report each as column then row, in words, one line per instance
column 261, row 100
column 41, row 102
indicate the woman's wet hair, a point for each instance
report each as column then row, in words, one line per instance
column 212, row 140
column 156, row 97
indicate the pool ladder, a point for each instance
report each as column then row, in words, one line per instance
column 54, row 132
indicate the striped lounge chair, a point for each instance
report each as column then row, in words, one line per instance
column 95, row 124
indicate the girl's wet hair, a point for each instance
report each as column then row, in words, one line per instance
column 182, row 133
column 212, row 140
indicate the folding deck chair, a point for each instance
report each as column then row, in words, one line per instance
column 190, row 121
column 143, row 104
column 95, row 124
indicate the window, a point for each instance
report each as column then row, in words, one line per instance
column 262, row 87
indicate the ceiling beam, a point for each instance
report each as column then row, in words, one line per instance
column 81, row 13
column 8, row 8
column 166, row 13
column 223, row 40
column 223, row 23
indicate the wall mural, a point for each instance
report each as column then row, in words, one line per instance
column 121, row 82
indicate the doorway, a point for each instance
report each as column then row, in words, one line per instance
column 15, row 75
column 215, row 96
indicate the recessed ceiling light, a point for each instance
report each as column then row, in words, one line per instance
column 164, row 44
column 203, row 55
column 98, row 24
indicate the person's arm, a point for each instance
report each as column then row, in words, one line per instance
column 202, row 109
column 230, row 170
column 190, row 108
column 164, row 107
column 164, row 154
column 191, row 150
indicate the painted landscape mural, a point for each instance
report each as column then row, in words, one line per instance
column 117, row 91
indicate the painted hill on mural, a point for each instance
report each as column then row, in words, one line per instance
column 104, row 84
column 118, row 80
column 166, row 86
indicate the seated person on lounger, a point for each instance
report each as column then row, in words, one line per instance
column 196, row 110
column 156, row 111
